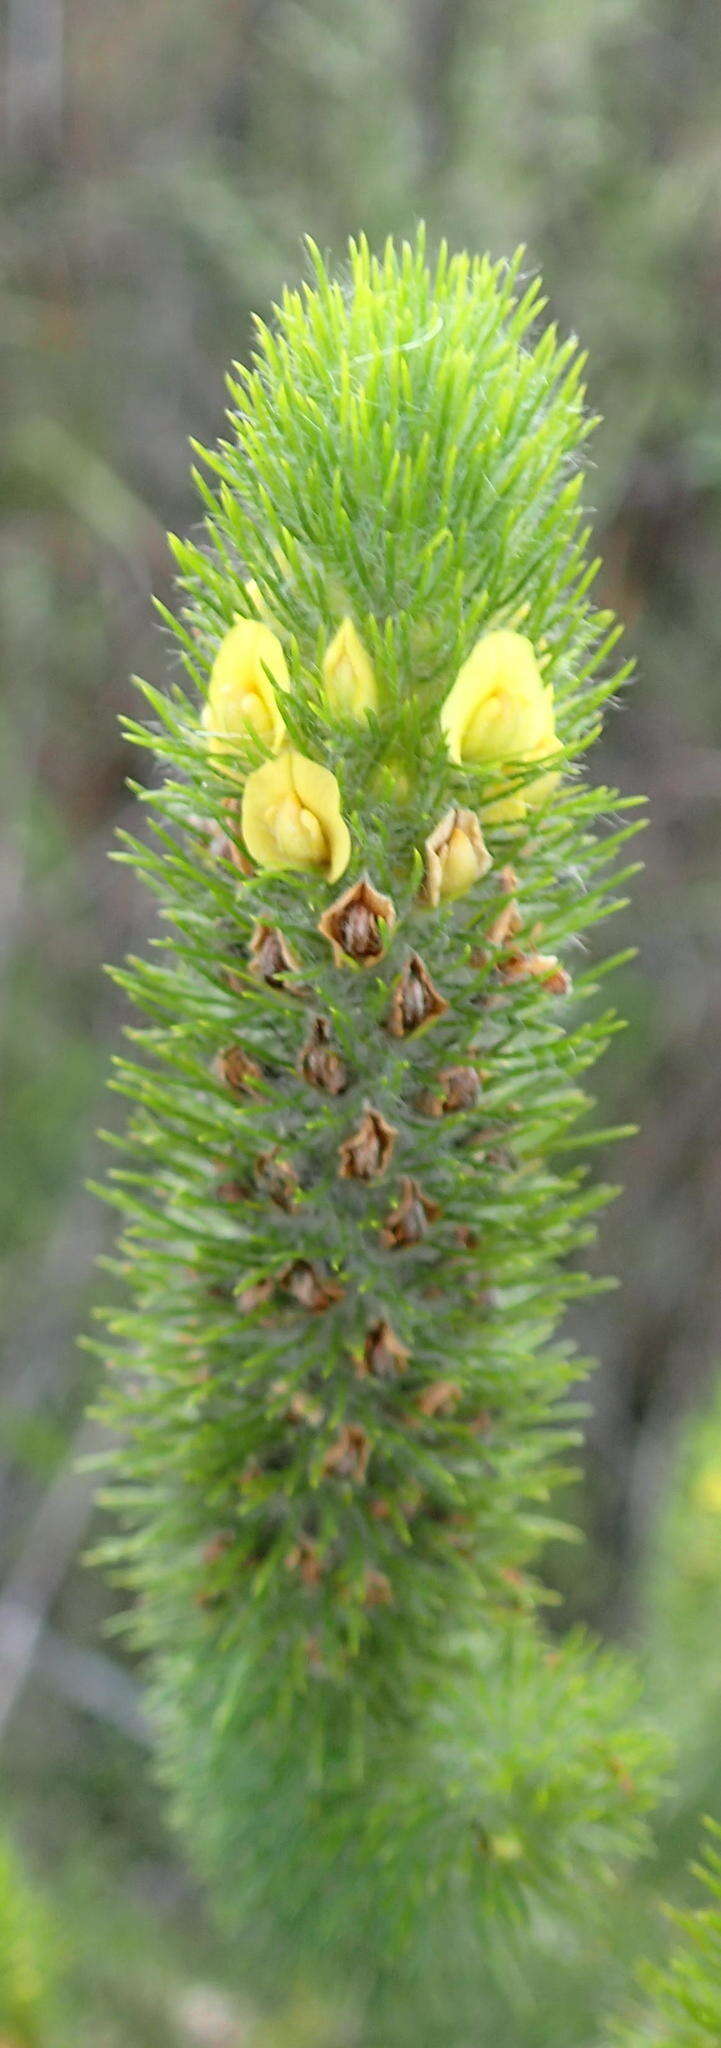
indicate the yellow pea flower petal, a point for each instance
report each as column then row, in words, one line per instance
column 241, row 696
column 497, row 709
column 348, row 674
column 291, row 818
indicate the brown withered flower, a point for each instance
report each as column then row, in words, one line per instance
column 365, row 1154
column 310, row 1287
column 409, row 1221
column 384, row 1357
column 236, row 1068
column 348, row 1457
column 276, row 1178
column 270, row 957
column 441, row 1398
column 354, row 923
column 415, row 1000
column 319, row 1063
column 456, row 856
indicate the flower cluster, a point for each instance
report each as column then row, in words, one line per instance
column 499, row 716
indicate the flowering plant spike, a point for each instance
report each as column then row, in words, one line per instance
column 353, row 1190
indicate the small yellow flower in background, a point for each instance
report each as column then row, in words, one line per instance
column 707, row 1490
column 500, row 713
column 291, row 818
column 456, row 856
column 241, row 697
column 348, row 674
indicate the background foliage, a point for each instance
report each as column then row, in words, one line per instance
column 162, row 164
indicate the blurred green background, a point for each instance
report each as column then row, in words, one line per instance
column 162, row 162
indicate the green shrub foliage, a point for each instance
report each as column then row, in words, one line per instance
column 354, row 1206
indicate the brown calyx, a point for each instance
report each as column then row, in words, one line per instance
column 409, row 1221
column 536, row 967
column 253, row 1297
column 377, row 1589
column 415, row 1000
column 461, row 1088
column 276, row 1178
column 319, row 1063
column 354, row 924
column 506, row 924
column 384, row 1357
column 300, row 1406
column 231, row 1191
column 306, row 1559
column 270, row 957
column 365, row 1154
column 441, row 1398
column 236, row 1069
column 348, row 1457
column 439, row 845
column 310, row 1286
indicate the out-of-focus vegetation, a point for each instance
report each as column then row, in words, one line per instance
column 161, row 165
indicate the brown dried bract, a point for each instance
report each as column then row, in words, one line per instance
column 383, row 1354
column 236, row 1069
column 537, row 967
column 409, row 1221
column 276, row 1178
column 353, row 924
column 441, row 1398
column 311, row 1287
column 348, row 1457
column 415, row 1000
column 365, row 1155
column 319, row 1064
column 270, row 957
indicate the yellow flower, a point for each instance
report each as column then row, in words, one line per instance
column 241, row 696
column 500, row 713
column 456, row 856
column 290, row 817
column 348, row 674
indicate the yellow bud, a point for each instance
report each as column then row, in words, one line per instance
column 456, row 856
column 290, row 816
column 241, row 696
column 500, row 713
column 348, row 674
